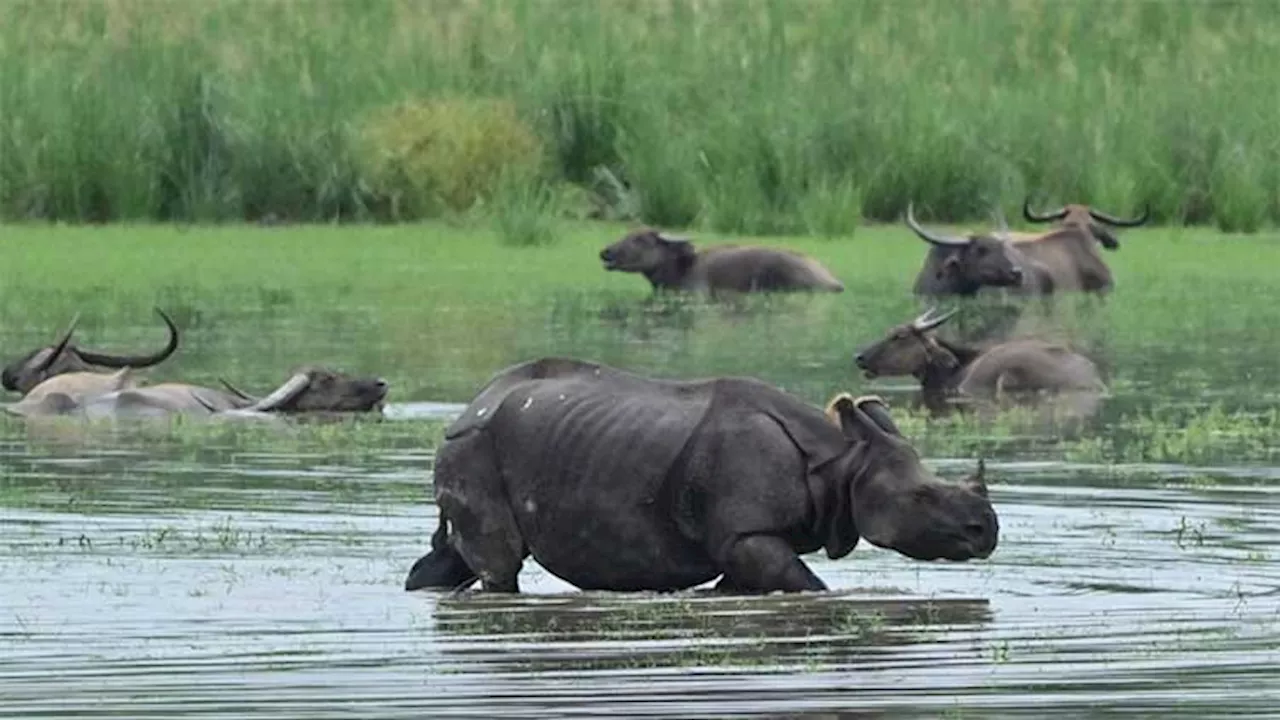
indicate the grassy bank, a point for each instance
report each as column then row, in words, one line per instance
column 760, row 117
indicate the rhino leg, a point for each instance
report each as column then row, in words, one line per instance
column 443, row 567
column 764, row 563
column 470, row 492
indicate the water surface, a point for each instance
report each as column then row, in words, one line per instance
column 256, row 573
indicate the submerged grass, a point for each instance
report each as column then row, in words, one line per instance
column 760, row 116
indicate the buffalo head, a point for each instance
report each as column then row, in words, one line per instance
column 650, row 252
column 963, row 265
column 898, row 503
column 1087, row 218
column 62, row 357
column 908, row 349
column 317, row 389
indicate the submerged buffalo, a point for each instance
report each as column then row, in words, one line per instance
column 948, row 369
column 964, row 265
column 674, row 264
column 1086, row 218
column 308, row 390
column 612, row 481
column 35, row 367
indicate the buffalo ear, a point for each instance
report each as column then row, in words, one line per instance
column 950, row 266
column 681, row 249
column 1104, row 236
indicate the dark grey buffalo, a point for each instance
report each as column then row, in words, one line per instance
column 948, row 369
column 965, row 264
column 40, row 364
column 308, row 390
column 612, row 481
column 674, row 264
column 1094, row 222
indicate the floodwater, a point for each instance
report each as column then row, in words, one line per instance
column 251, row 575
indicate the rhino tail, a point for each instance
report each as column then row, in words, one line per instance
column 443, row 568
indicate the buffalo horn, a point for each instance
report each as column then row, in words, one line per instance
column 1117, row 222
column 1002, row 226
column 929, row 321
column 1032, row 216
column 283, row 394
column 62, row 345
column 237, row 391
column 931, row 237
column 137, row 361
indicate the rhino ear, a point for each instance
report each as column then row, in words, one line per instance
column 862, row 418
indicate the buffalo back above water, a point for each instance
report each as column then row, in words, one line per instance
column 675, row 264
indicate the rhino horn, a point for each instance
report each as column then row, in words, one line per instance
column 977, row 481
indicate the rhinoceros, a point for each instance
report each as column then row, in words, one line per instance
column 614, row 481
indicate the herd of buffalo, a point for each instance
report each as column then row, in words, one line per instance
column 614, row 481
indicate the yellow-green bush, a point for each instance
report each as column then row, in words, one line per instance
column 424, row 157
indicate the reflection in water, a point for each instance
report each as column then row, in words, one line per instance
column 589, row 631
column 235, row 579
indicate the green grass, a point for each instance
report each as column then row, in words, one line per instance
column 757, row 116
column 437, row 309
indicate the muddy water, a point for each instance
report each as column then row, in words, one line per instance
column 140, row 581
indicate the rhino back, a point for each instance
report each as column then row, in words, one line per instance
column 589, row 469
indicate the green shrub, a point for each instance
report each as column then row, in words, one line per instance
column 429, row 157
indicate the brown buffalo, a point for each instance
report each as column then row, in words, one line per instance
column 1083, row 216
column 963, row 265
column 308, row 390
column 1069, row 252
column 948, row 369
column 35, row 367
column 674, row 264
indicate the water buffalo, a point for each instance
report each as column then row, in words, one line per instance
column 613, row 481
column 949, row 369
column 31, row 369
column 1087, row 219
column 673, row 264
column 308, row 390
column 964, row 265
column 1069, row 252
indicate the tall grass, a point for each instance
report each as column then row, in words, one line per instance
column 760, row 116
